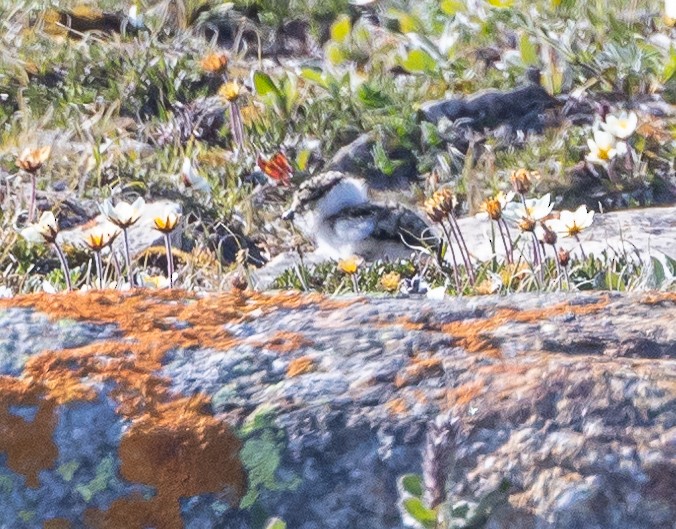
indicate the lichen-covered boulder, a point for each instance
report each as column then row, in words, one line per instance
column 171, row 410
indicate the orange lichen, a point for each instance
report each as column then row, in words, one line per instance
column 657, row 298
column 57, row 523
column 396, row 406
column 173, row 443
column 300, row 366
column 418, row 369
column 465, row 393
column 473, row 335
column 28, row 444
column 285, row 342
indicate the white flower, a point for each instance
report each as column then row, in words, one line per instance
column 571, row 223
column 101, row 236
column 135, row 19
column 159, row 281
column 535, row 209
column 670, row 9
column 191, row 179
column 621, row 126
column 45, row 230
column 123, row 214
column 436, row 293
column 167, row 221
column 48, row 287
column 604, row 147
column 6, row 292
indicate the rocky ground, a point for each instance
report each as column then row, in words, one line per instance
column 167, row 409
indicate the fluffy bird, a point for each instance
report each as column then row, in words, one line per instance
column 334, row 210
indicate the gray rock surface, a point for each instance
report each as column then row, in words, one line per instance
column 569, row 400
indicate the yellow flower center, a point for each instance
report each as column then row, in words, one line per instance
column 604, row 153
column 574, row 229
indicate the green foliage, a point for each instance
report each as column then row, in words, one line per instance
column 261, row 456
column 106, row 94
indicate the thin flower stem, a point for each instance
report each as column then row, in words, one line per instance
column 116, row 265
column 455, row 229
column 565, row 271
column 355, row 283
column 536, row 260
column 31, row 207
column 170, row 260
column 127, row 257
column 99, row 269
column 509, row 239
column 577, row 238
column 64, row 266
column 558, row 268
column 508, row 254
column 456, row 276
column 236, row 124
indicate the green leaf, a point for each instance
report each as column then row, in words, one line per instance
column 419, row 61
column 406, row 23
column 334, row 53
column 341, row 28
column 670, row 66
column 412, row 483
column 372, row 97
column 275, row 523
column 314, row 75
column 529, row 53
column 302, row 159
column 451, row 7
column 658, row 272
column 420, row 513
column 671, row 264
column 264, row 84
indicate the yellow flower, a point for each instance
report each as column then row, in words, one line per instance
column 30, row 160
column 350, row 265
column 167, row 222
column 390, row 281
column 214, row 62
column 231, row 91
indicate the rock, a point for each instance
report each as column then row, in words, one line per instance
column 356, row 158
column 549, row 410
column 521, row 109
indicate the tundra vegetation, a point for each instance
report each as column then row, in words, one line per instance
column 226, row 107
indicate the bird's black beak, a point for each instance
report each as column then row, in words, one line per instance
column 289, row 214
